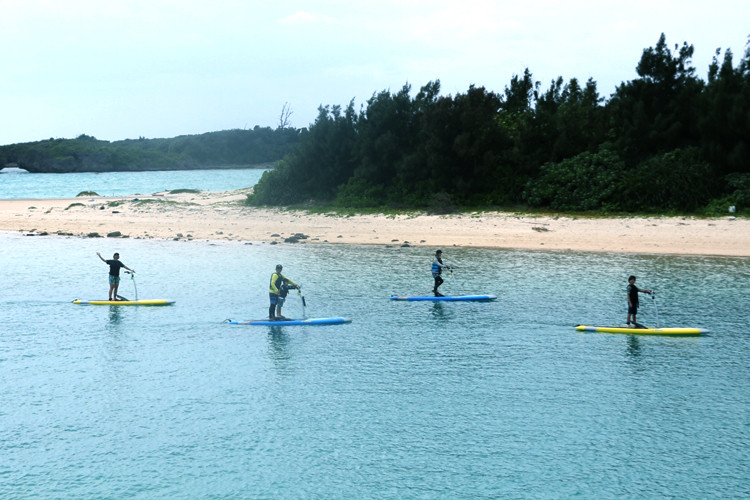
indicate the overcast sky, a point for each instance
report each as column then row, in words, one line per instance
column 161, row 68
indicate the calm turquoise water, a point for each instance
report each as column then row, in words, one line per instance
column 410, row 400
column 22, row 186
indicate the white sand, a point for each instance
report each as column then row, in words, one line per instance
column 222, row 216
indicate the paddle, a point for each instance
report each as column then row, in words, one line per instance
column 653, row 300
column 453, row 280
column 132, row 278
column 304, row 304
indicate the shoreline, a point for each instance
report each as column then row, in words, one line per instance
column 221, row 216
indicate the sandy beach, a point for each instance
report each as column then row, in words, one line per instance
column 223, row 216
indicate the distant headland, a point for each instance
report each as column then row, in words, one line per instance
column 258, row 147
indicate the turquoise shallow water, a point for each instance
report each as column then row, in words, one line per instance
column 24, row 186
column 410, row 400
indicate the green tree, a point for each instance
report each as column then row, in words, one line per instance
column 657, row 112
column 324, row 161
column 724, row 124
column 386, row 134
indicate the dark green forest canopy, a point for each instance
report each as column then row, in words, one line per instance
column 213, row 149
column 665, row 141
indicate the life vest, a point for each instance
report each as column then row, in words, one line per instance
column 276, row 279
column 436, row 268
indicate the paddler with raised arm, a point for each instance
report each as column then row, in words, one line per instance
column 277, row 279
column 114, row 274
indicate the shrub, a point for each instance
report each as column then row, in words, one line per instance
column 588, row 181
column 678, row 180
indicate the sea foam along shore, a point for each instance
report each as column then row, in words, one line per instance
column 223, row 216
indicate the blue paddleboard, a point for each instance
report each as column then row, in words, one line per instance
column 293, row 322
column 447, row 298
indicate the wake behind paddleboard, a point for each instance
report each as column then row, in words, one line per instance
column 152, row 302
column 642, row 331
column 446, row 298
column 292, row 322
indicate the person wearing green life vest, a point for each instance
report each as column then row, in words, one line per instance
column 275, row 290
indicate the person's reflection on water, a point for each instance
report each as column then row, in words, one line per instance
column 438, row 310
column 278, row 343
column 115, row 316
column 114, row 319
column 634, row 346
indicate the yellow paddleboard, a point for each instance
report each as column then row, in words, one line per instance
column 152, row 302
column 642, row 331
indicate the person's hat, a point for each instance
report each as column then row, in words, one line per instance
column 439, row 251
column 279, row 266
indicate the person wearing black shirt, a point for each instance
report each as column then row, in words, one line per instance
column 633, row 292
column 114, row 273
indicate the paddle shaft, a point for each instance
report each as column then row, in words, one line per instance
column 304, row 304
column 132, row 278
column 656, row 309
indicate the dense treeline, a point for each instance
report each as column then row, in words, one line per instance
column 87, row 154
column 666, row 141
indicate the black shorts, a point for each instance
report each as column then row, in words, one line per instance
column 632, row 309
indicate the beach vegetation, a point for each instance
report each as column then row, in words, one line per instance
column 87, row 193
column 73, row 205
column 665, row 142
column 182, row 191
column 158, row 202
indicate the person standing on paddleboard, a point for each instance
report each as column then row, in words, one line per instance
column 437, row 270
column 283, row 292
column 277, row 279
column 114, row 273
column 633, row 299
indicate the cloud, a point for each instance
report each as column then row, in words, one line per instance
column 124, row 69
